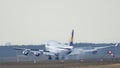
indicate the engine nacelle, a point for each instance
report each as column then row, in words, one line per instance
column 36, row 53
column 94, row 52
column 25, row 52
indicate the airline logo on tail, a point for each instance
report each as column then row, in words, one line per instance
column 71, row 39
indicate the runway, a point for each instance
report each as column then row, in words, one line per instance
column 61, row 64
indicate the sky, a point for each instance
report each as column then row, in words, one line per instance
column 37, row 21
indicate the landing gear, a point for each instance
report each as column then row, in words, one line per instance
column 49, row 57
column 63, row 58
column 57, row 58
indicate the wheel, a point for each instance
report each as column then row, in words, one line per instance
column 57, row 58
column 63, row 58
column 49, row 57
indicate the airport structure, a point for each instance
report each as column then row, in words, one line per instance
column 8, row 54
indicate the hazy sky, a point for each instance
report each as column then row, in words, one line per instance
column 37, row 21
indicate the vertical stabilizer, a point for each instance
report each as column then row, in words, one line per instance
column 71, row 38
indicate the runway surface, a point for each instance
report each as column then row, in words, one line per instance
column 61, row 64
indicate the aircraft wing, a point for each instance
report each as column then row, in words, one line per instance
column 83, row 50
column 36, row 52
column 16, row 48
column 26, row 51
column 96, row 48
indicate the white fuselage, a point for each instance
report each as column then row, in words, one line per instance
column 58, row 48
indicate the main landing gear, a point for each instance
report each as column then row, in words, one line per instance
column 56, row 57
column 49, row 57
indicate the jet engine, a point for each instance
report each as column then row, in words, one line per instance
column 94, row 52
column 25, row 52
column 37, row 53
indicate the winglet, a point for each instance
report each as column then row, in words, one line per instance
column 116, row 44
column 71, row 38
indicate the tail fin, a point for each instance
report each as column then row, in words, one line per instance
column 71, row 38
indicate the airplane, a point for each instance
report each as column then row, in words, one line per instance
column 60, row 50
column 52, row 48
